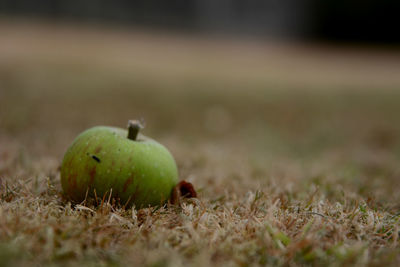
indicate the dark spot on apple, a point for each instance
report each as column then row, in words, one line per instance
column 113, row 163
column 126, row 184
column 98, row 149
column 96, row 158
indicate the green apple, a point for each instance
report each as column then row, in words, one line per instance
column 133, row 168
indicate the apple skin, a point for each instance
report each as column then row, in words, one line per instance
column 140, row 172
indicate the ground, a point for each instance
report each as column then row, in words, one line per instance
column 293, row 149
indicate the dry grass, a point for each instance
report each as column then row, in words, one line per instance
column 285, row 177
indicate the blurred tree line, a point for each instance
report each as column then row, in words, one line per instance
column 335, row 20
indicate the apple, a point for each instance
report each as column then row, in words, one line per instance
column 133, row 168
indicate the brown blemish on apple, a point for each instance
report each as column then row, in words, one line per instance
column 182, row 190
column 126, row 184
column 92, row 175
column 136, row 192
column 69, row 164
column 73, row 183
column 98, row 149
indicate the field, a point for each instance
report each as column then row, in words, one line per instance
column 294, row 149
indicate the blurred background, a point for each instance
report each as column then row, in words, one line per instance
column 237, row 90
column 340, row 20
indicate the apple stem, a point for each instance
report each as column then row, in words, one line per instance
column 133, row 129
